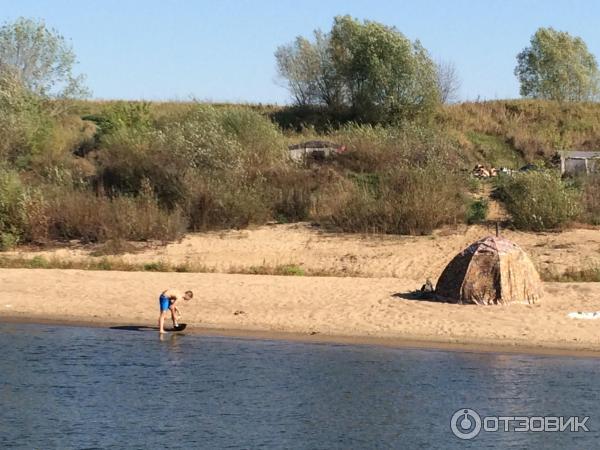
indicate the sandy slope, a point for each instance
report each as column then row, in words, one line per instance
column 355, row 307
column 404, row 257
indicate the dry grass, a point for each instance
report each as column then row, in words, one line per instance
column 572, row 275
column 536, row 129
column 64, row 215
column 118, row 264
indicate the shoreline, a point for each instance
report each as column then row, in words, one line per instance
column 411, row 343
column 348, row 310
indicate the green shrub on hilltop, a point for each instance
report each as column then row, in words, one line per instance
column 199, row 139
column 129, row 115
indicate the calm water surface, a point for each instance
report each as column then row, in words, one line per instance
column 68, row 387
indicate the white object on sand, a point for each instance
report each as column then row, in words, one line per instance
column 584, row 315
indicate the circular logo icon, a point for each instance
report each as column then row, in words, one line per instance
column 465, row 424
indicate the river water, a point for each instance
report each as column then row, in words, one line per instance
column 73, row 387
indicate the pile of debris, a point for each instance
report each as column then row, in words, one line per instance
column 316, row 150
column 479, row 171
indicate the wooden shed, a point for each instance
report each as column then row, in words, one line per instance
column 579, row 162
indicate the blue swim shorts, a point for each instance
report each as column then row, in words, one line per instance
column 164, row 303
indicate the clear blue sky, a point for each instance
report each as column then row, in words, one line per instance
column 223, row 50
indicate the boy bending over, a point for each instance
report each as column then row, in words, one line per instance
column 167, row 301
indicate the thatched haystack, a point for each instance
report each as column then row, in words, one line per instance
column 490, row 271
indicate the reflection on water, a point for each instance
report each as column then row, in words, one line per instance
column 66, row 387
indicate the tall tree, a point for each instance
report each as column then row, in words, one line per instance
column 367, row 68
column 448, row 81
column 298, row 65
column 385, row 75
column 308, row 70
column 40, row 57
column 557, row 66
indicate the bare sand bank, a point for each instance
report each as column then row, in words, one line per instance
column 405, row 257
column 352, row 310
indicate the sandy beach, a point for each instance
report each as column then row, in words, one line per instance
column 373, row 308
column 409, row 258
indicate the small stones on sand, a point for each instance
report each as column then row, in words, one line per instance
column 238, row 312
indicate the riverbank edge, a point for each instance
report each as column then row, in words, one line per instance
column 405, row 342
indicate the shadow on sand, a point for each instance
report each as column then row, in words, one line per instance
column 417, row 295
column 412, row 295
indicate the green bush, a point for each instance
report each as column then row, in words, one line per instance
column 229, row 139
column 156, row 267
column 412, row 200
column 132, row 117
column 38, row 262
column 12, row 200
column 376, row 148
column 128, row 162
column 539, row 200
column 27, row 125
column 200, row 145
column 591, row 200
column 199, row 138
column 260, row 141
column 227, row 204
column 290, row 192
column 8, row 241
column 477, row 211
column 291, row 270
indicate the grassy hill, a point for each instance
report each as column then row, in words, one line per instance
column 533, row 129
column 501, row 133
column 112, row 171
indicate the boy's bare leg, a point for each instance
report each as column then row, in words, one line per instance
column 161, row 322
column 173, row 308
